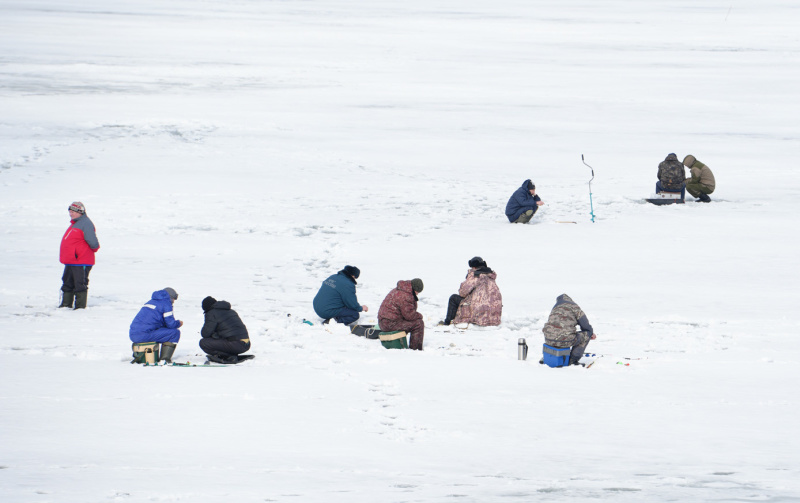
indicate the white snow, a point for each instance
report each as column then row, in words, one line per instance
column 249, row 149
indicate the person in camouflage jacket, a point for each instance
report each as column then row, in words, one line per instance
column 671, row 176
column 399, row 312
column 702, row 182
column 478, row 300
column 559, row 331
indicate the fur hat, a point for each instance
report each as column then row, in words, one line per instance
column 477, row 262
column 352, row 271
column 417, row 285
column 172, row 293
column 78, row 207
column 531, row 185
column 688, row 161
column 208, row 303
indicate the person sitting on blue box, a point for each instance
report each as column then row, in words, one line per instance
column 559, row 331
column 336, row 297
column 671, row 177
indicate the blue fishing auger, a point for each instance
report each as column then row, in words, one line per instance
column 591, row 204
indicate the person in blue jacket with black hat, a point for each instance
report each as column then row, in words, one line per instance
column 523, row 203
column 337, row 299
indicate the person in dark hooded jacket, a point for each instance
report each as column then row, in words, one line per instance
column 224, row 335
column 399, row 312
column 523, row 203
column 671, row 176
column 337, row 299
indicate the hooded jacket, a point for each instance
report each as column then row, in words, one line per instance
column 222, row 322
column 671, row 174
column 520, row 202
column 79, row 243
column 482, row 304
column 560, row 326
column 336, row 292
column 400, row 304
column 156, row 313
column 702, row 174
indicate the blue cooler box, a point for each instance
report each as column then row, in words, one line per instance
column 556, row 357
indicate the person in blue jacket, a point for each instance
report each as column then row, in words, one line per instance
column 523, row 203
column 336, row 297
column 156, row 322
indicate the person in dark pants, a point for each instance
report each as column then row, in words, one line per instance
column 399, row 312
column 337, row 299
column 224, row 335
column 78, row 247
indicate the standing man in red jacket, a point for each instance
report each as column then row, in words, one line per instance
column 78, row 247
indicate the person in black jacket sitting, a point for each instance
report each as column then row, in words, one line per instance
column 224, row 335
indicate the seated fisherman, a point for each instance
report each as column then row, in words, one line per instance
column 155, row 322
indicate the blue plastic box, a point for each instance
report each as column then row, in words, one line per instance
column 556, row 357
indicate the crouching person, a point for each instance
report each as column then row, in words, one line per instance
column 559, row 331
column 478, row 300
column 155, row 325
column 224, row 335
column 399, row 312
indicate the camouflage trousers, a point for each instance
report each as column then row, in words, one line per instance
column 577, row 341
column 695, row 189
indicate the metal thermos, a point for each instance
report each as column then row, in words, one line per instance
column 522, row 350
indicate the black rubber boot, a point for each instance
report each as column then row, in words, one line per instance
column 67, row 299
column 80, row 299
column 705, row 198
column 167, row 350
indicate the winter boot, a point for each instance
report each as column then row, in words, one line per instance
column 167, row 350
column 80, row 299
column 224, row 359
column 67, row 299
column 704, row 198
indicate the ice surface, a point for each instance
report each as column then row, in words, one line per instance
column 247, row 150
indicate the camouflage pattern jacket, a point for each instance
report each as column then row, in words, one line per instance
column 671, row 174
column 482, row 304
column 400, row 304
column 702, row 174
column 560, row 326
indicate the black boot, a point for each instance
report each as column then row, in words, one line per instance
column 704, row 198
column 80, row 299
column 167, row 350
column 67, row 299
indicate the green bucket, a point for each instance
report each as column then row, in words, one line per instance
column 394, row 340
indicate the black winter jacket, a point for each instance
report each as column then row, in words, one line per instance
column 222, row 322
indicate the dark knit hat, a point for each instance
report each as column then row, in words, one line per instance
column 78, row 207
column 352, row 271
column 208, row 303
column 417, row 285
column 531, row 185
column 172, row 293
column 688, row 161
column 477, row 262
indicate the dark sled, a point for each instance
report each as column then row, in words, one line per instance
column 368, row 331
column 663, row 198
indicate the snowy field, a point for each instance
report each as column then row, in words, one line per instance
column 248, row 149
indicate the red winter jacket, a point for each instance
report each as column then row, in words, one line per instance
column 79, row 243
column 400, row 304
